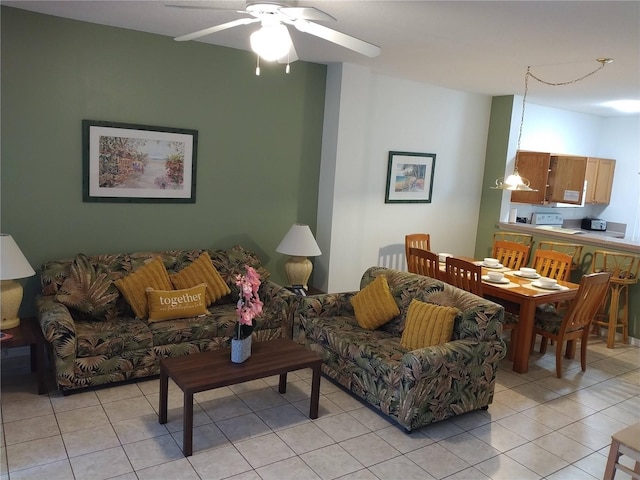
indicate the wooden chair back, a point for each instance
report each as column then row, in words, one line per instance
column 552, row 264
column 423, row 262
column 574, row 250
column 511, row 254
column 524, row 238
column 582, row 309
column 416, row 240
column 463, row 274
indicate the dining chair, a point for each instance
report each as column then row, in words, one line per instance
column 552, row 264
column 416, row 240
column 624, row 268
column 511, row 254
column 574, row 324
column 423, row 262
column 574, row 250
column 463, row 274
column 523, row 238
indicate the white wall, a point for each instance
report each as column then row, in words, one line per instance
column 366, row 116
column 620, row 139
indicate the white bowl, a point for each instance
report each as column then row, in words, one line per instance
column 490, row 262
column 443, row 256
column 528, row 272
column 495, row 276
column 547, row 282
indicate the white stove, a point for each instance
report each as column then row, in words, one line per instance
column 552, row 222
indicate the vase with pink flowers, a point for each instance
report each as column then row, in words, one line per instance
column 248, row 308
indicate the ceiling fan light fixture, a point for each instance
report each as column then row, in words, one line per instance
column 271, row 42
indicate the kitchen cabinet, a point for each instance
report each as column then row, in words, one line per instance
column 599, row 177
column 558, row 178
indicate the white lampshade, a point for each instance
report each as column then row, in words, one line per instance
column 299, row 242
column 271, row 42
column 13, row 265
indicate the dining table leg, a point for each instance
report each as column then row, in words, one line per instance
column 522, row 348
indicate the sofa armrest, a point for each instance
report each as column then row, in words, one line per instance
column 325, row 305
column 280, row 302
column 59, row 329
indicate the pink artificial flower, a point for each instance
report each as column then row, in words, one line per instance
column 249, row 304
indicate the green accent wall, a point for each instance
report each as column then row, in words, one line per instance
column 495, row 159
column 259, row 144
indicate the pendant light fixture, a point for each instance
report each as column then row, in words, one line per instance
column 515, row 181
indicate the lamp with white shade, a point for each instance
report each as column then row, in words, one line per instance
column 300, row 244
column 13, row 265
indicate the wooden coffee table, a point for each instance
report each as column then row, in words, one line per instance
column 208, row 370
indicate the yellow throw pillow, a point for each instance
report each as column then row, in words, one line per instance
column 170, row 304
column 202, row 271
column 134, row 285
column 427, row 324
column 374, row 305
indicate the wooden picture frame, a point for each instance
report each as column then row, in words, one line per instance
column 410, row 177
column 138, row 163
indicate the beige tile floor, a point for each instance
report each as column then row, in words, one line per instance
column 537, row 427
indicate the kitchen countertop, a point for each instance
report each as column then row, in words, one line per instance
column 601, row 239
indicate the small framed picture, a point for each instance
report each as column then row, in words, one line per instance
column 138, row 163
column 410, row 177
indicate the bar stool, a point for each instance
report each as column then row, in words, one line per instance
column 624, row 268
column 514, row 237
column 574, row 250
column 624, row 442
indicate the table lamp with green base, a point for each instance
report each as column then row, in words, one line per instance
column 13, row 265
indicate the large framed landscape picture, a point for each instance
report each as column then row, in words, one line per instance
column 410, row 177
column 138, row 163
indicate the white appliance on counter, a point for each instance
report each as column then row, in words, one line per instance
column 553, row 222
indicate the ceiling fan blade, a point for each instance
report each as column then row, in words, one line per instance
column 306, row 13
column 217, row 28
column 347, row 41
column 197, row 7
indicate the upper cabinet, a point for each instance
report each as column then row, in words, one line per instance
column 558, row 178
column 599, row 177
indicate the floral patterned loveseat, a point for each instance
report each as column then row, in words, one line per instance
column 113, row 345
column 417, row 387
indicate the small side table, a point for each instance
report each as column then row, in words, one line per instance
column 28, row 333
column 311, row 290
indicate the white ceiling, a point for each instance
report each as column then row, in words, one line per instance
column 474, row 46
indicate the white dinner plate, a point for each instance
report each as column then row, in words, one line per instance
column 502, row 280
column 494, row 266
column 520, row 274
column 553, row 287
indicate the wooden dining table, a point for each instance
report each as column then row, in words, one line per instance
column 519, row 296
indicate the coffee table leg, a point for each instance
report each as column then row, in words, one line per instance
column 282, row 386
column 164, row 391
column 315, row 393
column 187, row 437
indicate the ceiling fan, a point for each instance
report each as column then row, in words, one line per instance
column 272, row 41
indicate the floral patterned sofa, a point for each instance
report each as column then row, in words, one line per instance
column 417, row 387
column 112, row 345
